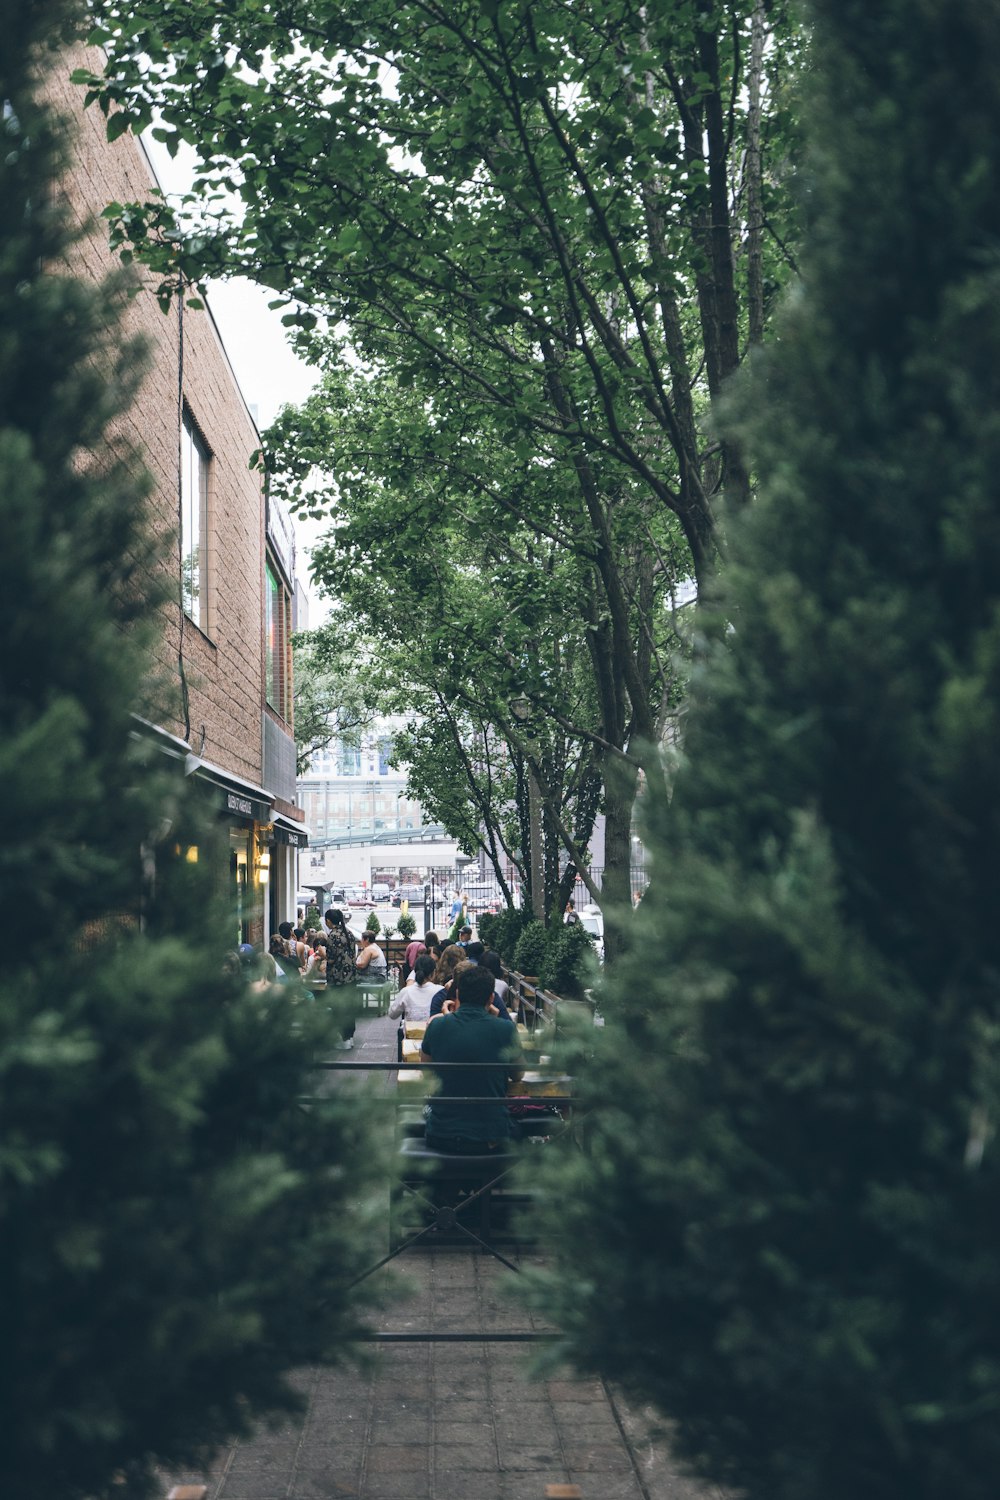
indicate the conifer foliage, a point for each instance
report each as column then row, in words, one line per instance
column 175, row 1230
column 785, row 1231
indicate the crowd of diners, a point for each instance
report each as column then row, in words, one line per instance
column 456, row 990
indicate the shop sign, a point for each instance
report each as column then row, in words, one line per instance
column 241, row 805
column 298, row 838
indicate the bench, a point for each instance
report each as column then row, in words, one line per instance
column 463, row 1181
column 376, row 993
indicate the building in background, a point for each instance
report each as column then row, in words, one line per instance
column 224, row 658
column 364, row 828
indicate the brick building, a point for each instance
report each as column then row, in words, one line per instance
column 225, row 709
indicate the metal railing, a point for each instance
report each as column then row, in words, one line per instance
column 447, row 1218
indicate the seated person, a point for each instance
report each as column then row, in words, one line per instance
column 464, row 936
column 491, row 961
column 370, row 963
column 470, row 1034
column 445, row 999
column 278, row 950
column 414, row 948
column 414, row 1002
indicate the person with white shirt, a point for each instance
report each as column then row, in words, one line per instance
column 414, row 1002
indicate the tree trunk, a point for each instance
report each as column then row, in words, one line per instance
column 755, row 271
column 621, row 786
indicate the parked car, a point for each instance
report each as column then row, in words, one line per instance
column 412, row 893
column 482, row 897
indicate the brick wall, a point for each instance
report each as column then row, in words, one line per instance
column 224, row 664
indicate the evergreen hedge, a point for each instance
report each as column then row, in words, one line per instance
column 501, row 930
column 176, row 1232
column 570, row 964
column 784, row 1233
column 529, row 951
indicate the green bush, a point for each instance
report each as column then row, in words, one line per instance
column 407, row 925
column 373, row 924
column 784, row 1233
column 313, row 917
column 570, row 961
column 176, row 1232
column 529, row 954
column 504, row 929
column 488, row 928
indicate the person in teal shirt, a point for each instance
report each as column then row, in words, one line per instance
column 470, row 1034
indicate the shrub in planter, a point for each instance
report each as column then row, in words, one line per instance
column 407, row 925
column 529, row 954
column 488, row 927
column 504, row 929
column 570, row 961
column 373, row 925
column 313, row 916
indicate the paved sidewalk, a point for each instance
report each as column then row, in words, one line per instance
column 449, row 1421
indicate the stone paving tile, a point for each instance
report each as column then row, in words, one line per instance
column 532, row 1486
column 469, row 1484
column 581, row 1413
column 268, row 1486
column 253, row 1462
column 607, row 1486
column 577, row 1391
column 332, row 1485
column 447, row 1431
column 396, row 1487
column 533, row 1457
column 604, row 1457
column 411, row 1458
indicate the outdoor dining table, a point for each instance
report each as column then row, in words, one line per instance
column 535, row 1084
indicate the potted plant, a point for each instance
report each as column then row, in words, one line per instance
column 570, row 961
column 407, row 925
column 373, row 925
column 529, row 955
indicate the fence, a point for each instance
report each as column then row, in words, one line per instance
column 483, row 888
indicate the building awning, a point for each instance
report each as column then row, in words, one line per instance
column 234, row 797
column 287, row 831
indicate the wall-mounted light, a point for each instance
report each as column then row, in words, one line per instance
column 264, row 866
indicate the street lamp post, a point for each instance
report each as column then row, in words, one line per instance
column 522, row 712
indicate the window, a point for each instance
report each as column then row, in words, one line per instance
column 278, row 643
column 194, row 524
column 348, row 759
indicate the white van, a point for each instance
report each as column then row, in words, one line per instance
column 592, row 922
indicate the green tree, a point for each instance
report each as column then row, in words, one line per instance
column 784, row 1231
column 533, row 214
column 477, row 570
column 334, row 704
column 175, row 1231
